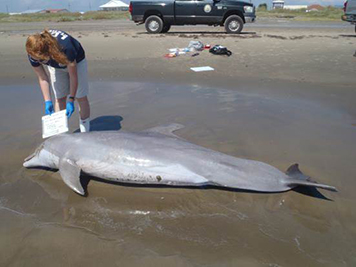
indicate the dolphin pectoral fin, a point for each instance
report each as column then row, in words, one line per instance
column 70, row 173
column 297, row 178
column 166, row 129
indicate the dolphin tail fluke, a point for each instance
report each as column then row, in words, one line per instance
column 297, row 178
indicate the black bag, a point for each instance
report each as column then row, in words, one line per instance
column 220, row 50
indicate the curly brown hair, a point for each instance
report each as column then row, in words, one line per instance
column 43, row 46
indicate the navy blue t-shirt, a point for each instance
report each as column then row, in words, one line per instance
column 69, row 46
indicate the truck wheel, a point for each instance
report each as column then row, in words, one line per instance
column 234, row 24
column 154, row 24
column 166, row 28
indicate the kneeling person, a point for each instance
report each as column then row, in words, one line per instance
column 65, row 60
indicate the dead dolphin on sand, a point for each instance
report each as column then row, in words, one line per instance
column 158, row 156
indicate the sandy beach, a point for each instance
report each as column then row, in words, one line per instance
column 266, row 51
column 286, row 95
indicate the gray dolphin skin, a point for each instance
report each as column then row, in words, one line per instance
column 157, row 156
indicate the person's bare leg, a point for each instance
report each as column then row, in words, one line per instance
column 60, row 104
column 84, row 107
column 84, row 111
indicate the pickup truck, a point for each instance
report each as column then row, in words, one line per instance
column 350, row 12
column 159, row 15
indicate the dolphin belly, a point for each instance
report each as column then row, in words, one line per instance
column 174, row 174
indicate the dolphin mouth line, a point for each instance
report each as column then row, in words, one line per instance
column 34, row 154
column 30, row 157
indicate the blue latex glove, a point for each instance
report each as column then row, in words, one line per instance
column 49, row 107
column 70, row 109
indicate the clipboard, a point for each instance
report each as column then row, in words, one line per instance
column 54, row 124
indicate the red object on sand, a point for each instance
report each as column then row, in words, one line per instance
column 170, row 55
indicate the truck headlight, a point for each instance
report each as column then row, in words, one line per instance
column 248, row 9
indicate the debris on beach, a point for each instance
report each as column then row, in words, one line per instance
column 197, row 46
column 220, row 50
column 193, row 46
column 201, row 69
column 171, row 55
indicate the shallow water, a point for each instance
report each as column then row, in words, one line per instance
column 43, row 222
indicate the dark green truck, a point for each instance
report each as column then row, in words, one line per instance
column 159, row 15
column 350, row 12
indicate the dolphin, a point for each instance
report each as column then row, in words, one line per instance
column 158, row 156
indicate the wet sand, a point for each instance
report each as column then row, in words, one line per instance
column 293, row 102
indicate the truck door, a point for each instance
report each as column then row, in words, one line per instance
column 208, row 11
column 351, row 7
column 185, row 11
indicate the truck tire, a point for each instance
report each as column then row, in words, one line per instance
column 166, row 28
column 154, row 24
column 234, row 24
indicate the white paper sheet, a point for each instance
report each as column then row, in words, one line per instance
column 200, row 69
column 54, row 124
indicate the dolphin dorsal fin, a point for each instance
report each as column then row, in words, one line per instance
column 70, row 173
column 294, row 170
column 166, row 129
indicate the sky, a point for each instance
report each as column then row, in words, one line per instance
column 85, row 5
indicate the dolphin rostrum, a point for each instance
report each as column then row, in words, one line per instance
column 158, row 156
